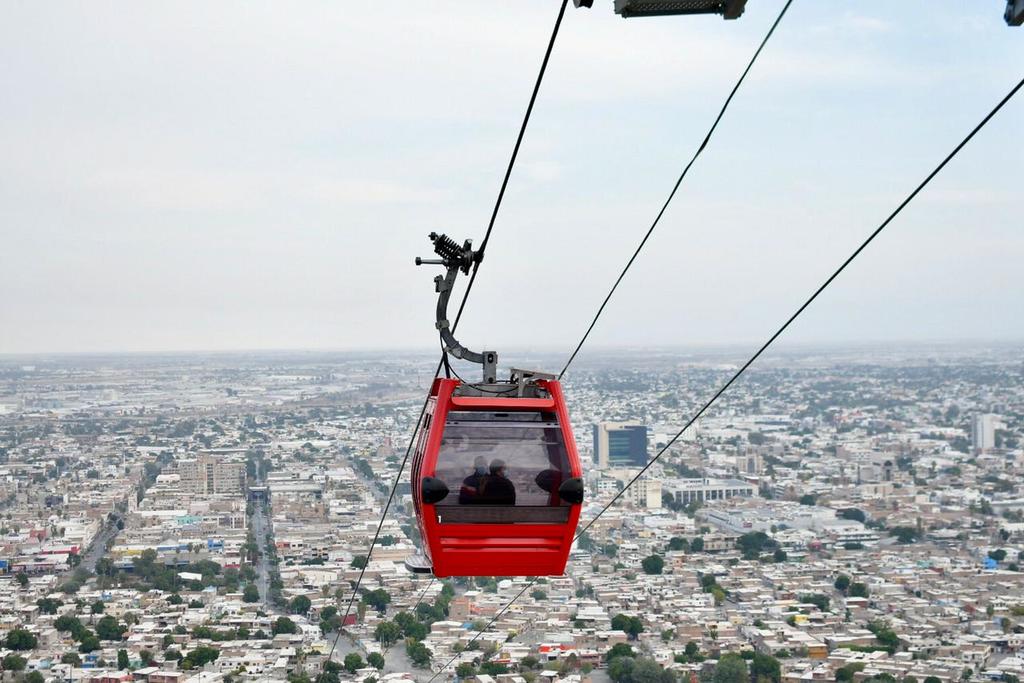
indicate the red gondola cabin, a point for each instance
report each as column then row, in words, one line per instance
column 496, row 480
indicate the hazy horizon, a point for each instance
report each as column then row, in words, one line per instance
column 778, row 348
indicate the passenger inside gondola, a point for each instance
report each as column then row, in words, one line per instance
column 469, row 492
column 502, row 467
column 495, row 488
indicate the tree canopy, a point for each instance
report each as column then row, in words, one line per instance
column 20, row 639
column 731, row 668
column 653, row 564
column 632, row 626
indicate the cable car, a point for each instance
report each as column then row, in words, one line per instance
column 729, row 9
column 1014, row 12
column 496, row 479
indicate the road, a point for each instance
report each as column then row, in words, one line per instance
column 260, row 526
column 99, row 547
column 395, row 658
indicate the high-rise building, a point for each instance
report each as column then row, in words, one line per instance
column 620, row 444
column 207, row 475
column 983, row 432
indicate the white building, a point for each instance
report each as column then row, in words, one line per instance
column 686, row 491
column 983, row 432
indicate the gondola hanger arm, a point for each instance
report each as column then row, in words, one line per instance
column 455, row 258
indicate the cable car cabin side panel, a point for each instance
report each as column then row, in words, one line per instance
column 423, row 435
column 498, row 464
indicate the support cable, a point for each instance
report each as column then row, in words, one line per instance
column 443, row 362
column 765, row 346
column 672, row 194
column 490, row 623
column 810, row 300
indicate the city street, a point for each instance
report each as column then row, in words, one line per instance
column 260, row 525
column 99, row 547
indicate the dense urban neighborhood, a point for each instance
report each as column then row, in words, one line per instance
column 840, row 514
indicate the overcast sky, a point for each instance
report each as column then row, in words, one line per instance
column 256, row 175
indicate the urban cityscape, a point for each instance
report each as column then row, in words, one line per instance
column 848, row 514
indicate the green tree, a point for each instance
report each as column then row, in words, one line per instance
column 653, row 564
column 817, row 599
column 358, row 562
column 387, row 632
column 48, row 605
column 676, row 543
column 846, row 673
column 904, row 534
column 780, row 556
column 34, row 677
column 493, row 668
column 885, row 635
column 122, row 659
column 619, row 650
column 808, row 499
column 378, row 599
column 416, row 630
column 842, row 583
column 731, row 668
column 647, row 670
column 251, row 593
column 20, row 639
column 765, row 668
column 98, row 607
column 620, row 669
column 754, row 543
column 697, row 545
column 300, row 604
column 88, row 643
column 538, row 595
column 858, row 590
column 71, row 658
column 376, row 660
column 68, row 623
column 13, row 662
column 353, row 662
column 22, row 579
column 201, row 656
column 854, row 514
column 632, row 626
column 418, row 653
column 284, row 625
column 108, row 628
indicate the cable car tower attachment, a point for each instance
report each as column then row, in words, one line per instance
column 496, row 480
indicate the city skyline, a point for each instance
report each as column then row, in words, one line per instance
column 177, row 520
